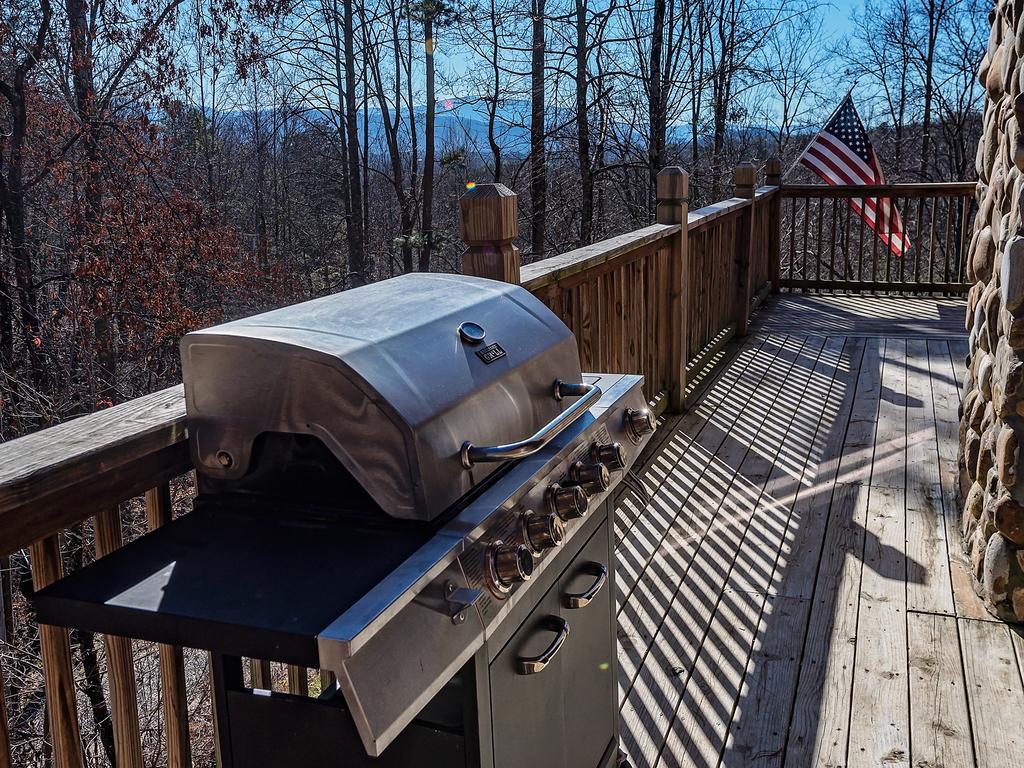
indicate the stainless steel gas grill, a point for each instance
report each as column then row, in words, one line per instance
column 407, row 485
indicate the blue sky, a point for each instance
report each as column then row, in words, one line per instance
column 837, row 21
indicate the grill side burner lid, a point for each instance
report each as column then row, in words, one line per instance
column 392, row 377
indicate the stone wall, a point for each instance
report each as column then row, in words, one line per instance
column 992, row 418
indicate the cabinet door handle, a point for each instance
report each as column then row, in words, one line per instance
column 582, row 599
column 531, row 665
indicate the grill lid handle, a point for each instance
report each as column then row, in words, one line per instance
column 588, row 394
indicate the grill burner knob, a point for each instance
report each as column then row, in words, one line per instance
column 593, row 478
column 542, row 532
column 639, row 422
column 509, row 564
column 609, row 454
column 569, row 502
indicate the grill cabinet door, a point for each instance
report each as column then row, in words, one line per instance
column 589, row 666
column 527, row 710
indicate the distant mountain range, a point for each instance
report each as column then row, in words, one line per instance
column 461, row 123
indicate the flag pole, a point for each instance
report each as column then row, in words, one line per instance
column 842, row 101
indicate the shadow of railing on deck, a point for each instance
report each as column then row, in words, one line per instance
column 718, row 573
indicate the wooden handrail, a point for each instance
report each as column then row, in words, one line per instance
column 541, row 273
column 61, row 475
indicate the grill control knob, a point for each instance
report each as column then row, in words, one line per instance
column 508, row 564
column 609, row 454
column 593, row 478
column 569, row 502
column 542, row 532
column 639, row 422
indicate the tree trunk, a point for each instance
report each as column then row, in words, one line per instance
column 102, row 300
column 15, row 209
column 655, row 101
column 538, row 168
column 583, row 127
column 354, row 215
column 492, row 100
column 935, row 18
column 427, row 214
column 391, row 137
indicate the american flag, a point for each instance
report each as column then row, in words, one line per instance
column 842, row 154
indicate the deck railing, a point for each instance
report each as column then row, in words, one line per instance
column 828, row 246
column 660, row 301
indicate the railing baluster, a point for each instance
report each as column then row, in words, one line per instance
column 120, row 659
column 792, row 238
column 832, row 251
column 807, row 254
column 965, row 210
column 855, row 272
column 172, row 662
column 931, row 242
column 298, row 681
column 919, row 251
column 57, row 670
column 874, row 247
column 947, row 239
column 262, row 674
column 326, row 679
column 818, row 256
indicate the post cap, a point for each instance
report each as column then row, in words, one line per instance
column 489, row 214
column 746, row 175
column 773, row 171
column 673, row 183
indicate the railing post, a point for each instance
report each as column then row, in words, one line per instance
column 773, row 178
column 746, row 181
column 488, row 225
column 673, row 190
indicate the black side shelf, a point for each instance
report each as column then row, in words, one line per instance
column 232, row 582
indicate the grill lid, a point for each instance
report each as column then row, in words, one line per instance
column 392, row 377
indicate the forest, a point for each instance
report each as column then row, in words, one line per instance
column 169, row 164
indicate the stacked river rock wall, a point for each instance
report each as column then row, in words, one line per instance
column 992, row 419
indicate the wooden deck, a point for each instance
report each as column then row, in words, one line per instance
column 794, row 592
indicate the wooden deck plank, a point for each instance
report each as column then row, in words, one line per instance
column 929, row 587
column 958, row 350
column 946, row 400
column 995, row 692
column 940, row 735
column 880, row 717
column 820, row 723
